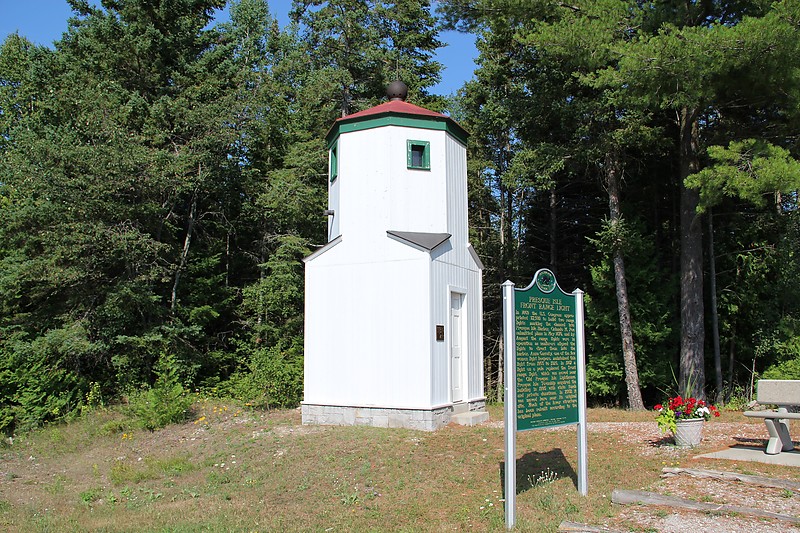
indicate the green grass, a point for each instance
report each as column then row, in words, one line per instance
column 230, row 469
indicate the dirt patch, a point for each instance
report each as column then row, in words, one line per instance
column 647, row 440
column 693, row 522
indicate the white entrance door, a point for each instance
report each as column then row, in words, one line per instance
column 456, row 347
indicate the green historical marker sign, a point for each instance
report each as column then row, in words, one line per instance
column 545, row 377
column 547, row 361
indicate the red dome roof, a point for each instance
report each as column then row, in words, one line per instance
column 394, row 106
column 396, row 112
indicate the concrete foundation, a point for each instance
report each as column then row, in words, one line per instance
column 422, row 419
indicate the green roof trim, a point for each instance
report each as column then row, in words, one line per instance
column 393, row 119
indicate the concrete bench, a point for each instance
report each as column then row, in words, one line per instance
column 783, row 393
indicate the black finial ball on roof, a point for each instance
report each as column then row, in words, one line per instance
column 397, row 90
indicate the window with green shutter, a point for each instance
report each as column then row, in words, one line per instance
column 419, row 155
column 334, row 160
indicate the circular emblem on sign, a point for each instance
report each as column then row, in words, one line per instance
column 546, row 281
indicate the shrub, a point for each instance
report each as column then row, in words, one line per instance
column 280, row 376
column 737, row 399
column 166, row 402
column 275, row 379
column 786, row 370
column 37, row 384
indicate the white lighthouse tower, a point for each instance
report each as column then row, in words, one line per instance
column 393, row 309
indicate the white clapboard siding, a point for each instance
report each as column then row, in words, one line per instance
column 373, row 300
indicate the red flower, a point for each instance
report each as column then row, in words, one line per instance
column 687, row 408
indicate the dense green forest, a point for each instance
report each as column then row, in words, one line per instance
column 163, row 175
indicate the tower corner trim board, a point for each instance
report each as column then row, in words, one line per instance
column 388, row 340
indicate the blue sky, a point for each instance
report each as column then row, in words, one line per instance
column 43, row 21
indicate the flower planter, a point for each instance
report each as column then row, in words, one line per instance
column 688, row 431
column 684, row 417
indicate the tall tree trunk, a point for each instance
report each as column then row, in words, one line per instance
column 553, row 227
column 262, row 311
column 511, row 252
column 345, row 104
column 623, row 305
column 692, row 368
column 506, row 245
column 731, row 359
column 712, row 281
column 506, row 214
column 228, row 258
column 185, row 252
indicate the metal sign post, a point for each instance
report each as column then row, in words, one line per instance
column 510, row 403
column 583, row 459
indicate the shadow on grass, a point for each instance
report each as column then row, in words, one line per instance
column 750, row 442
column 666, row 440
column 535, row 465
